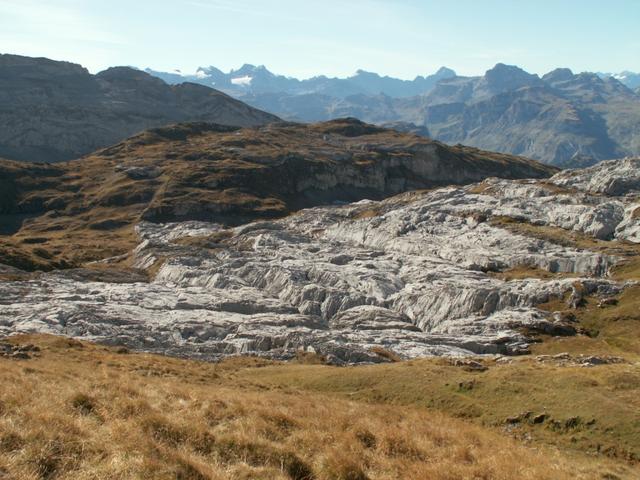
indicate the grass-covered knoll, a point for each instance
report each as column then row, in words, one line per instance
column 78, row 411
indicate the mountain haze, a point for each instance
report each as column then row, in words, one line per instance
column 256, row 80
column 630, row 79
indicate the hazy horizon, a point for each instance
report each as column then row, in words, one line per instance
column 399, row 39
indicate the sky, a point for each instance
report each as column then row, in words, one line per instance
column 303, row 38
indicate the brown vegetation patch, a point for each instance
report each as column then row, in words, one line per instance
column 386, row 354
column 367, row 213
column 526, row 271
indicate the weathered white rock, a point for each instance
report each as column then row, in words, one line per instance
column 411, row 274
column 613, row 177
column 629, row 228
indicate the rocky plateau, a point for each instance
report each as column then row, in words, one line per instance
column 419, row 273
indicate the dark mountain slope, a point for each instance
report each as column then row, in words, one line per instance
column 54, row 111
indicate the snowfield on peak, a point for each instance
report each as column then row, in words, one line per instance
column 243, row 81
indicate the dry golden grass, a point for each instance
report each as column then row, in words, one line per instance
column 81, row 411
column 604, row 400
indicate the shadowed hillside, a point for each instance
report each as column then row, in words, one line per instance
column 53, row 111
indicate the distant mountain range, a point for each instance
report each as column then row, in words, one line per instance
column 54, row 111
column 561, row 118
column 253, row 80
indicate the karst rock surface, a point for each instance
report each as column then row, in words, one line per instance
column 414, row 274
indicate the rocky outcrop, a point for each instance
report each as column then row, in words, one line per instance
column 613, row 178
column 416, row 274
column 218, row 173
column 53, row 111
column 407, row 127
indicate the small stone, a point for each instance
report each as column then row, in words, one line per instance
column 593, row 360
column 470, row 365
column 539, row 418
column 518, row 418
column 607, row 302
column 504, row 361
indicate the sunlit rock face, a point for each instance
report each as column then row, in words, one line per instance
column 416, row 274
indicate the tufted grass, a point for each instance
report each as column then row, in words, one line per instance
column 81, row 411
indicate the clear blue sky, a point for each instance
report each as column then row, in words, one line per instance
column 302, row 38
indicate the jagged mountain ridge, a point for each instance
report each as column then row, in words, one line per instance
column 630, row 79
column 54, row 111
column 250, row 79
column 259, row 79
column 561, row 118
